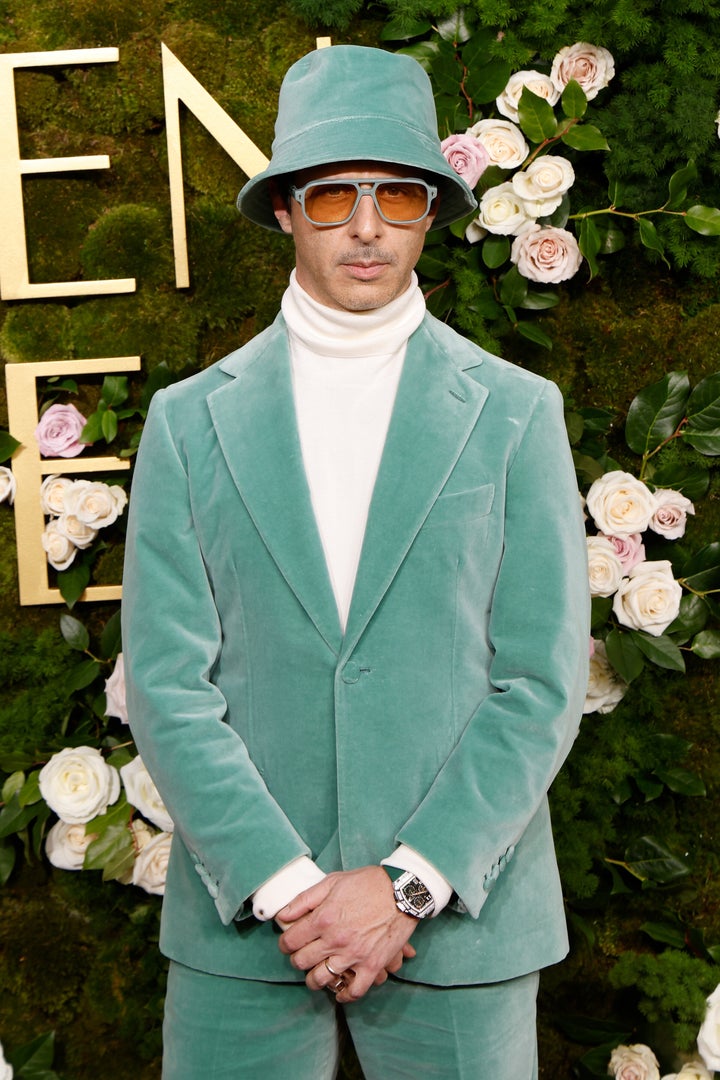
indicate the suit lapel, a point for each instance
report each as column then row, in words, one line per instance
column 254, row 419
column 436, row 409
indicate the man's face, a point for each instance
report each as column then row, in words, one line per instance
column 363, row 264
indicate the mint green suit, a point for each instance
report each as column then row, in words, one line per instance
column 441, row 715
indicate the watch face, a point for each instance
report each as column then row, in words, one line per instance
column 413, row 897
column 416, row 894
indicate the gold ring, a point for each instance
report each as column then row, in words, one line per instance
column 337, row 986
column 338, row 974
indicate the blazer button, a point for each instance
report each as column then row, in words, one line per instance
column 351, row 672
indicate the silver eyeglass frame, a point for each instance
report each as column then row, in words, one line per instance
column 364, row 187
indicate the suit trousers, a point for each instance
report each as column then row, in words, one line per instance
column 219, row 1028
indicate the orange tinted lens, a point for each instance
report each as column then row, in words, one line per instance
column 327, row 203
column 402, row 202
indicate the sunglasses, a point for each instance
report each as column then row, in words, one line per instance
column 333, row 202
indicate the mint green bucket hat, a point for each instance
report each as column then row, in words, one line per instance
column 351, row 103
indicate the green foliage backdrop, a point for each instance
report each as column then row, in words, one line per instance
column 77, row 955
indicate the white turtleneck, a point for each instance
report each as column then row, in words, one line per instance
column 346, row 367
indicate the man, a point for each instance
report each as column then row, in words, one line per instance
column 355, row 635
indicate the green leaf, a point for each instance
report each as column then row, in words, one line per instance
column 588, row 468
column 513, row 287
column 648, row 860
column 476, row 50
column 706, row 644
column 574, row 100
column 665, row 933
column 534, row 333
column 7, row 861
column 404, row 29
column 691, row 479
column 432, row 265
column 574, row 425
column 661, row 650
column 701, row 572
column 81, row 675
column 8, row 445
column 14, row 817
column 113, row 839
column 585, row 137
column 590, row 243
column 92, row 432
column 109, row 425
column 600, row 608
column 703, row 414
column 30, row 793
column 540, row 300
column 536, row 116
column 678, row 185
column 624, row 654
column 704, row 220
column 487, row 81
column 74, row 632
column 682, row 782
column 12, row 786
column 691, row 620
column 495, row 251
column 110, row 640
column 114, row 390
column 32, row 1062
column 73, row 582
column 655, row 413
column 650, row 239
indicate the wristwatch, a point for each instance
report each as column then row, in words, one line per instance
column 412, row 897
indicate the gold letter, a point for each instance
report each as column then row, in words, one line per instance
column 14, row 273
column 29, row 469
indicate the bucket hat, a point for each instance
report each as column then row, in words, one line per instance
column 352, row 103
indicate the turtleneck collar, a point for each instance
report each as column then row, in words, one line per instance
column 329, row 332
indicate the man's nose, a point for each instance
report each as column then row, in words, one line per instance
column 366, row 223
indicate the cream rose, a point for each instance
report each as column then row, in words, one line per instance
column 475, row 232
column 691, row 1070
column 671, row 513
column 636, row 1062
column 708, row 1039
column 66, row 844
column 8, row 485
column 467, row 156
column 115, row 701
column 542, row 85
column 143, row 795
column 503, row 141
column 59, row 549
column 590, row 65
column 619, row 504
column 546, row 255
column 77, row 532
column 52, row 494
column 604, row 567
column 542, row 185
column 94, row 503
column 605, row 687
column 503, row 212
column 6, row 1070
column 648, row 598
column 78, row 784
column 630, row 550
column 150, row 869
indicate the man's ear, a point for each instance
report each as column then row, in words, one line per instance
column 280, row 207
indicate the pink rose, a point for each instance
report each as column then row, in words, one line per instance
column 58, row 432
column 467, row 156
column 546, row 254
column 671, row 513
column 630, row 550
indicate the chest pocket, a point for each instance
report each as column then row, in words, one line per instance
column 460, row 506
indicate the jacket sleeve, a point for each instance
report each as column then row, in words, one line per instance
column 497, row 777
column 236, row 833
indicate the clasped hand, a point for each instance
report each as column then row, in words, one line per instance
column 351, row 920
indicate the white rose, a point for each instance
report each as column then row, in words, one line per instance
column 542, row 185
column 53, row 492
column 150, row 869
column 619, row 504
column 542, row 85
column 115, row 702
column 59, row 548
column 691, row 1070
column 590, row 65
column 546, row 255
column 503, row 141
column 6, row 1071
column 708, row 1039
column 649, row 598
column 66, row 844
column 636, row 1062
column 143, row 795
column 94, row 503
column 78, row 784
column 604, row 567
column 605, row 687
column 670, row 515
column 76, row 531
column 8, row 485
column 475, row 232
column 503, row 212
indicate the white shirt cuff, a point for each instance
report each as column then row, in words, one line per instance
column 406, row 858
column 284, row 886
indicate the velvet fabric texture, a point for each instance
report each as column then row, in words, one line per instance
column 439, row 718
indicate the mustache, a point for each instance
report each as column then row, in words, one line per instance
column 367, row 254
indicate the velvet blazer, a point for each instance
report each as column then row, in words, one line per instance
column 441, row 715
